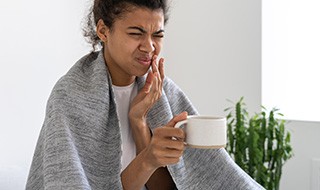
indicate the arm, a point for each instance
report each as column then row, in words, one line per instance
column 142, row 135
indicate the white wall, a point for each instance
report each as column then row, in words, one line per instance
column 290, row 44
column 39, row 41
column 212, row 50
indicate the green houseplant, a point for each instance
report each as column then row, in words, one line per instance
column 260, row 144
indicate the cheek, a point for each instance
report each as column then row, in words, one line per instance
column 129, row 46
column 158, row 47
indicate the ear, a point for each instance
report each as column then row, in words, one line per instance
column 102, row 30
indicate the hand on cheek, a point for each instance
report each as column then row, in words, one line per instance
column 150, row 93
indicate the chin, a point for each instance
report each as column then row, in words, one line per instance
column 143, row 73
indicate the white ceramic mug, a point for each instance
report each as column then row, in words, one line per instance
column 205, row 131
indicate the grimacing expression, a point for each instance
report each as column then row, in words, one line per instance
column 132, row 42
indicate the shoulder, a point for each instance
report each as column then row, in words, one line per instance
column 76, row 76
column 86, row 79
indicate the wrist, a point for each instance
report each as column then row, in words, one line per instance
column 146, row 165
column 141, row 133
column 140, row 123
column 137, row 119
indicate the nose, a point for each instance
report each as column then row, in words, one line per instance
column 147, row 45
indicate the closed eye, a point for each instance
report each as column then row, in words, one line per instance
column 158, row 36
column 135, row 34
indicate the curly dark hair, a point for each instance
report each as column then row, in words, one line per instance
column 109, row 10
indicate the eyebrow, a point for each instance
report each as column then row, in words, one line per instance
column 143, row 31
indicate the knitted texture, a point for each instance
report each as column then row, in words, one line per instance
column 79, row 146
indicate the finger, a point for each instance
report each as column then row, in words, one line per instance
column 174, row 153
column 154, row 64
column 170, row 153
column 182, row 116
column 176, row 144
column 149, row 81
column 169, row 148
column 161, row 74
column 154, row 89
column 155, row 69
column 155, row 84
column 161, row 68
column 165, row 134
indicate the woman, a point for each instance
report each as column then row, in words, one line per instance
column 110, row 120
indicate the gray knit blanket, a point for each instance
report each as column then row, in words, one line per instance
column 79, row 146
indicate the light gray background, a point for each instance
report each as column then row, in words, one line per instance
column 212, row 51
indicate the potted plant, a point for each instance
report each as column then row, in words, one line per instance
column 260, row 144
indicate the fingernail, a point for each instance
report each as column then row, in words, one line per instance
column 154, row 58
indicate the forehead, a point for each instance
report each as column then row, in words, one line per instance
column 142, row 17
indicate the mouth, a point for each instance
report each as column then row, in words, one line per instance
column 146, row 61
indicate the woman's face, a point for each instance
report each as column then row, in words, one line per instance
column 132, row 42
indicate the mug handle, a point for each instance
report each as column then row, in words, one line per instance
column 180, row 123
